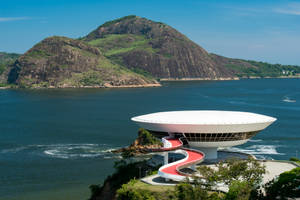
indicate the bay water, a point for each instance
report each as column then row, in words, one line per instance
column 54, row 143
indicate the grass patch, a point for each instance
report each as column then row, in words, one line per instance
column 142, row 72
column 89, row 78
column 114, row 44
column 125, row 50
column 118, row 70
column 5, row 85
column 153, row 188
column 38, row 53
column 136, row 189
column 100, row 42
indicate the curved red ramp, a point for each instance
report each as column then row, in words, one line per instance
column 172, row 170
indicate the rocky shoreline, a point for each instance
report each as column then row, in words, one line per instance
column 200, row 79
column 136, row 149
column 144, row 143
column 224, row 78
column 104, row 86
column 107, row 85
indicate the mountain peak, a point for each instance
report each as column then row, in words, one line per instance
column 132, row 24
column 129, row 17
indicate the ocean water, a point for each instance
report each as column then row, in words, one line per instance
column 54, row 143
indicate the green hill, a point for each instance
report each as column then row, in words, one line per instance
column 130, row 51
column 6, row 61
column 65, row 62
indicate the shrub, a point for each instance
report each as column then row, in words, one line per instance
column 129, row 192
column 238, row 190
column 295, row 159
column 146, row 138
column 286, row 186
column 186, row 191
column 233, row 169
column 2, row 68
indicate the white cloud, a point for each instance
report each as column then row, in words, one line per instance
column 8, row 19
column 290, row 9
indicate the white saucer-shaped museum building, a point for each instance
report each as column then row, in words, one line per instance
column 206, row 130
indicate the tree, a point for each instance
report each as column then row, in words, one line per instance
column 287, row 185
column 128, row 192
column 233, row 169
column 187, row 191
column 146, row 138
column 238, row 190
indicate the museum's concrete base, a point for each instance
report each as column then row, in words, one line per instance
column 210, row 153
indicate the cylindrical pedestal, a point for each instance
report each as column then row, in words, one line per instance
column 166, row 158
column 210, row 153
column 166, row 161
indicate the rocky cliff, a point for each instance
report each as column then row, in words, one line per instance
column 154, row 47
column 65, row 62
column 127, row 52
column 6, row 62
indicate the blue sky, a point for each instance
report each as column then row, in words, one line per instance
column 258, row 30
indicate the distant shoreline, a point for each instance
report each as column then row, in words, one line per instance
column 105, row 86
column 161, row 80
column 200, row 79
column 224, row 78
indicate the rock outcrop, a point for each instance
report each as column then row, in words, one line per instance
column 65, row 62
column 127, row 52
column 144, row 143
column 156, row 48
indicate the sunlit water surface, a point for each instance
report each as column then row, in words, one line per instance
column 54, row 143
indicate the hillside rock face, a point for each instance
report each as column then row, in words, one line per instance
column 6, row 62
column 64, row 62
column 164, row 53
column 127, row 52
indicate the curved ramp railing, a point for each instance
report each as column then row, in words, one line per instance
column 172, row 170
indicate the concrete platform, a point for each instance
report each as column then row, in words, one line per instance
column 273, row 168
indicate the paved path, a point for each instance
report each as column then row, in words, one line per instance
column 273, row 168
column 172, row 170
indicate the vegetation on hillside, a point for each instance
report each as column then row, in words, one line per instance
column 243, row 178
column 231, row 170
column 263, row 69
column 2, row 68
column 127, row 51
column 7, row 59
column 126, row 38
column 249, row 68
column 115, row 44
column 118, row 20
column 125, row 170
column 138, row 190
column 241, row 182
column 146, row 138
column 64, row 62
column 144, row 143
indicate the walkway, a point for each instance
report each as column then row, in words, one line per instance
column 172, row 170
